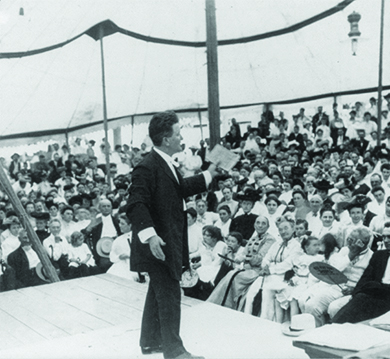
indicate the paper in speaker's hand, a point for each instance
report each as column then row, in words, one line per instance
column 222, row 157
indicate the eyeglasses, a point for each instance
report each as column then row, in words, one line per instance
column 387, row 236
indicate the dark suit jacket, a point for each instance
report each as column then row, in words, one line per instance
column 361, row 146
column 11, row 170
column 96, row 234
column 19, row 262
column 375, row 269
column 156, row 200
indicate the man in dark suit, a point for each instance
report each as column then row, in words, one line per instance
column 371, row 296
column 360, row 144
column 296, row 136
column 104, row 226
column 23, row 261
column 160, row 244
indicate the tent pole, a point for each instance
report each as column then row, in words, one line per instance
column 107, row 149
column 200, row 124
column 36, row 243
column 379, row 106
column 67, row 139
column 212, row 73
column 132, row 132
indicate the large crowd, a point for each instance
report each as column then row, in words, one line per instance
column 304, row 190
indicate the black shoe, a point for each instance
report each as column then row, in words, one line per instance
column 152, row 350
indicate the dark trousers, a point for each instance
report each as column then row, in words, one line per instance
column 362, row 306
column 161, row 316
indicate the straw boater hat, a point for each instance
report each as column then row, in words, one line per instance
column 103, row 246
column 41, row 272
column 299, row 324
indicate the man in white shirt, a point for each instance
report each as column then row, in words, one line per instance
column 351, row 261
column 371, row 296
column 104, row 225
column 377, row 206
column 313, row 217
column 57, row 248
column 22, row 184
column 378, row 222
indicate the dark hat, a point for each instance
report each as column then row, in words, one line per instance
column 387, row 96
column 249, row 194
column 121, row 186
column 360, row 200
column 298, row 172
column 361, row 190
column 361, row 168
column 323, row 185
column 68, row 187
column 316, row 152
column 345, row 183
column 41, row 215
column 335, row 149
column 298, row 182
column 15, row 154
column 50, row 204
column 75, row 200
column 222, row 177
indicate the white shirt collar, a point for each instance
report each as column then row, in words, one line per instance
column 166, row 157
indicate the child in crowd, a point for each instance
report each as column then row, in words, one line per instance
column 80, row 257
column 300, row 280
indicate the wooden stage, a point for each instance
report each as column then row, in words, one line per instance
column 100, row 317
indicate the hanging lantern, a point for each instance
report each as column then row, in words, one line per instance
column 21, row 11
column 354, row 34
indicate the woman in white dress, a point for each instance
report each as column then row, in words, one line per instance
column 329, row 225
column 9, row 240
column 275, row 209
column 120, row 251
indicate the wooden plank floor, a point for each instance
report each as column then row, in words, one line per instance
column 100, row 317
column 67, row 308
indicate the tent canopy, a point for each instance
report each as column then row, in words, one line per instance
column 60, row 90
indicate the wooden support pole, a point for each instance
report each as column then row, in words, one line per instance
column 36, row 243
column 132, row 132
column 379, row 104
column 200, row 124
column 212, row 73
column 105, row 122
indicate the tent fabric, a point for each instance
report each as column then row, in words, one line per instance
column 107, row 27
column 61, row 90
